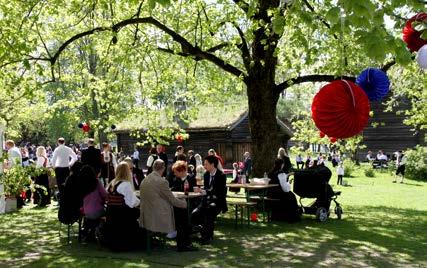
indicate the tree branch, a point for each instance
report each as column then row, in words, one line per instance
column 244, row 48
column 187, row 47
column 310, row 78
column 324, row 22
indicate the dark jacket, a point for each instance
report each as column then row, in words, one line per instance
column 177, row 185
column 137, row 177
column 92, row 157
column 247, row 170
column 217, row 188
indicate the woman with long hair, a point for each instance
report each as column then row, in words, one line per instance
column 286, row 161
column 122, row 230
column 42, row 196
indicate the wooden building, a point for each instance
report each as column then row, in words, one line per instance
column 386, row 131
column 228, row 135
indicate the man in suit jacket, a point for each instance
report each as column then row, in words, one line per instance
column 157, row 214
column 92, row 156
column 214, row 184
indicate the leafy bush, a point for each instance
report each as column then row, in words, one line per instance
column 18, row 179
column 369, row 172
column 349, row 168
column 416, row 163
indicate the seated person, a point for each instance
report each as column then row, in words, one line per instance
column 121, row 228
column 182, row 224
column 93, row 201
column 71, row 199
column 157, row 214
column 286, row 209
column 370, row 157
column 215, row 202
column 137, row 174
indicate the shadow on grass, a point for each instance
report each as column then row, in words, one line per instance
column 367, row 236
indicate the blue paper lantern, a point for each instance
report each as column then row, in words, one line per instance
column 374, row 82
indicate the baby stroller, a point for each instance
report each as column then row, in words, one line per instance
column 313, row 183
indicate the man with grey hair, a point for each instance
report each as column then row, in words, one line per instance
column 157, row 202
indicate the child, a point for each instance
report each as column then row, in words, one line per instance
column 340, row 173
column 236, row 178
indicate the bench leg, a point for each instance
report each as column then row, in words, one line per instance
column 241, row 215
column 235, row 216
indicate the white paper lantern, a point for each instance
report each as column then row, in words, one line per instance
column 422, row 57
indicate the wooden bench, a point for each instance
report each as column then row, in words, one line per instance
column 241, row 205
column 263, row 201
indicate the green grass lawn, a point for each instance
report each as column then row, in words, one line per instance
column 384, row 225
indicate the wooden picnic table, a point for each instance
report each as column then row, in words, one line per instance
column 251, row 187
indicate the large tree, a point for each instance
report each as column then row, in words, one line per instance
column 267, row 45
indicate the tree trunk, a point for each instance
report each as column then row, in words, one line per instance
column 263, row 125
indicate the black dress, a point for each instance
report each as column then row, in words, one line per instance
column 121, row 230
column 286, row 209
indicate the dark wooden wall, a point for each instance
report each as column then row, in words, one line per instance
column 229, row 144
column 391, row 134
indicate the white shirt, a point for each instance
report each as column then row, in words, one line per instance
column 135, row 155
column 126, row 189
column 381, row 157
column 150, row 161
column 40, row 162
column 340, row 171
column 15, row 157
column 61, row 156
column 298, row 159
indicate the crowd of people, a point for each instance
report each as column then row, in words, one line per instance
column 121, row 202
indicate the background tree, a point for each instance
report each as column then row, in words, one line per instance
column 267, row 45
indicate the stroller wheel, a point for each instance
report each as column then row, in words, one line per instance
column 338, row 211
column 322, row 214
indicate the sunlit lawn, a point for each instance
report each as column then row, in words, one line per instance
column 384, row 225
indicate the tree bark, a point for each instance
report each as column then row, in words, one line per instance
column 263, row 125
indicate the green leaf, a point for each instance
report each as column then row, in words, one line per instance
column 278, row 25
column 424, row 35
column 333, row 15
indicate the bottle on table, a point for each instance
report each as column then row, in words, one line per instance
column 186, row 187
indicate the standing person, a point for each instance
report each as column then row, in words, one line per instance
column 151, row 158
column 63, row 157
column 135, row 157
column 340, row 173
column 137, row 174
column 299, row 161
column 163, row 156
column 41, row 197
column 400, row 166
column 109, row 163
column 25, row 157
column 286, row 166
column 14, row 154
column 191, row 159
column 199, row 161
column 157, row 213
column 247, row 161
column 220, row 160
column 91, row 156
column 179, row 151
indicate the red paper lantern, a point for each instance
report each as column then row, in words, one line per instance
column 321, row 134
column 86, row 127
column 254, row 217
column 340, row 109
column 333, row 139
column 411, row 36
column 179, row 138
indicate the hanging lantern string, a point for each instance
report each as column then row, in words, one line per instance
column 351, row 92
column 342, row 43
